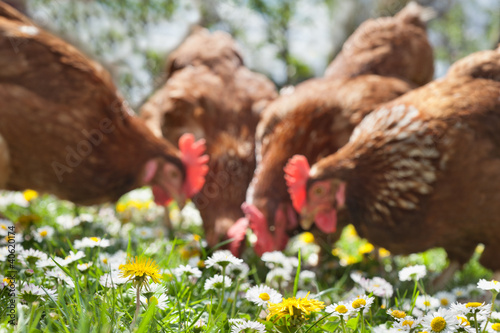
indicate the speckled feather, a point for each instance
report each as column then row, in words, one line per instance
column 49, row 94
column 424, row 170
column 211, row 94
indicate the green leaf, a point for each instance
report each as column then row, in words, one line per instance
column 148, row 316
column 296, row 282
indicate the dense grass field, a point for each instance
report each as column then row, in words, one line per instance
column 117, row 268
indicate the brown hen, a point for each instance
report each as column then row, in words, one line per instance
column 317, row 118
column 211, row 94
column 422, row 171
column 65, row 130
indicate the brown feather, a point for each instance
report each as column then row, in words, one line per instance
column 51, row 99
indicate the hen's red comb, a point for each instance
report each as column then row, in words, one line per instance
column 296, row 175
column 195, row 163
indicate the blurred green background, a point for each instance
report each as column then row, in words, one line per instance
column 287, row 40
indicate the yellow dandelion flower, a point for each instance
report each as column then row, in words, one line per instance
column 307, row 237
column 351, row 232
column 297, row 308
column 383, row 253
column 139, row 269
column 121, row 207
column 366, row 248
column 30, row 195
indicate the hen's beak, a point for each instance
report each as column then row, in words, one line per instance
column 306, row 219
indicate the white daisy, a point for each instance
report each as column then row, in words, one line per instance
column 192, row 273
column 4, row 252
column 362, row 303
column 340, row 309
column 263, row 294
column 411, row 273
column 278, row 277
column 440, row 321
column 464, row 323
column 59, row 274
column 162, row 301
column 495, row 315
column 113, row 261
column 47, row 263
column 5, row 227
column 378, row 286
column 145, row 232
column 426, row 303
column 8, row 198
column 215, row 282
column 445, row 298
column 91, row 242
column 241, row 326
column 151, row 289
column 307, row 279
column 31, row 256
column 43, row 233
column 274, row 259
column 493, row 327
column 30, row 293
column 239, row 270
column 383, row 329
column 18, row 239
column 489, row 285
column 112, row 279
column 72, row 257
column 84, row 267
column 396, row 314
column 222, row 258
column 356, row 276
column 460, row 292
column 406, row 324
column 67, row 221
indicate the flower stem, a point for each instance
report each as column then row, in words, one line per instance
column 137, row 304
column 343, row 324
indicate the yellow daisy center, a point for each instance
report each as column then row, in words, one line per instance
column 196, row 237
column 264, row 296
column 496, row 327
column 464, row 321
column 95, row 239
column 30, row 195
column 444, row 302
column 43, row 233
column 341, row 308
column 427, row 303
column 298, row 308
column 105, row 261
column 307, row 237
column 408, row 323
column 3, row 227
column 438, row 324
column 473, row 305
column 7, row 280
column 358, row 303
column 494, row 281
column 398, row 314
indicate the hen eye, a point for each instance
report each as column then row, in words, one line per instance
column 319, row 190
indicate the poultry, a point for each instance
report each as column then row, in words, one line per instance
column 66, row 131
column 419, row 172
column 318, row 117
column 211, row 94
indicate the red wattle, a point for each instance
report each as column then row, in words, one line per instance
column 161, row 197
column 327, row 221
column 296, row 175
column 195, row 163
